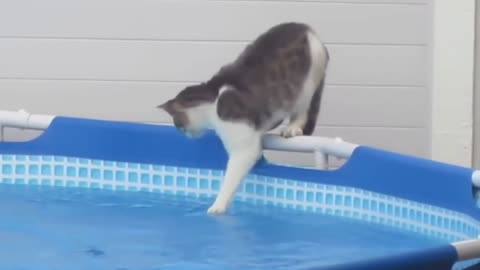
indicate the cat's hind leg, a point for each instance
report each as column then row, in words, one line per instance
column 313, row 110
column 304, row 122
column 295, row 125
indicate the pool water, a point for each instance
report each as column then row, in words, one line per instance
column 56, row 228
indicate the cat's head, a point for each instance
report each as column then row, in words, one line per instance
column 190, row 109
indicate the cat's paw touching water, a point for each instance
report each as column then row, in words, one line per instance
column 217, row 209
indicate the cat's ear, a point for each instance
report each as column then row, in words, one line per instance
column 162, row 106
column 167, row 106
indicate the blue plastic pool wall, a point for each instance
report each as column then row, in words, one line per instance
column 63, row 157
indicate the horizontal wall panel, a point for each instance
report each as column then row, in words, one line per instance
column 374, row 106
column 336, row 21
column 118, row 59
column 133, row 101
column 193, row 61
column 406, row 141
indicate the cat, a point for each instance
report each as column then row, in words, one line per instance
column 279, row 76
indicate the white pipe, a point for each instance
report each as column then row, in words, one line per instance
column 23, row 119
column 336, row 147
column 309, row 144
column 476, row 178
column 321, row 160
column 468, row 249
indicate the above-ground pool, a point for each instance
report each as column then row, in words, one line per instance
column 91, row 194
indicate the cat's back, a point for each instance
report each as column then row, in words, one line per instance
column 280, row 36
column 280, row 69
column 281, row 55
column 275, row 44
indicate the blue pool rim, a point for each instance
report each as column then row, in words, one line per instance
column 412, row 179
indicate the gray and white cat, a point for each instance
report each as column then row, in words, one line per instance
column 279, row 76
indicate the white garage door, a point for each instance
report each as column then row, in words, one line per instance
column 118, row 59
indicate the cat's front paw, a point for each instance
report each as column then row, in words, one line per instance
column 217, row 209
column 291, row 131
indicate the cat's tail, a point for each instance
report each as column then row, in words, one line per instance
column 313, row 110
